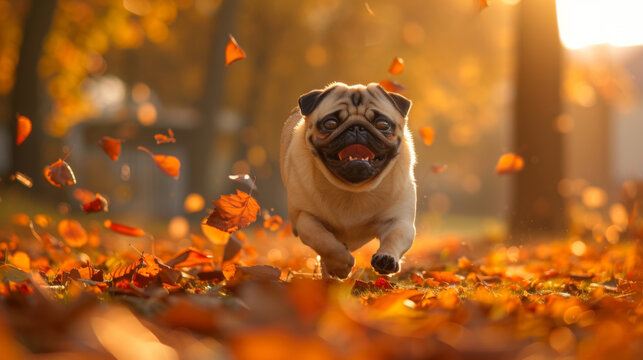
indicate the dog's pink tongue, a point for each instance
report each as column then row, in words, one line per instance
column 357, row 151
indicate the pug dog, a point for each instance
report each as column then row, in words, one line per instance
column 347, row 161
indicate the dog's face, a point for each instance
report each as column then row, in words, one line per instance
column 354, row 132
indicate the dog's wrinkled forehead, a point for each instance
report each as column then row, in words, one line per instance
column 355, row 99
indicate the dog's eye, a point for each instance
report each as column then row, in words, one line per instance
column 330, row 124
column 383, row 124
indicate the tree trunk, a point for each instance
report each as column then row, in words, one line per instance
column 26, row 96
column 537, row 206
column 202, row 145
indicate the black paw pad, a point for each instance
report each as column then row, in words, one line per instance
column 385, row 264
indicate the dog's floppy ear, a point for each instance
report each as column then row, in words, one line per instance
column 309, row 101
column 402, row 104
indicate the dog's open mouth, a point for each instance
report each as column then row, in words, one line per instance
column 356, row 155
column 356, row 152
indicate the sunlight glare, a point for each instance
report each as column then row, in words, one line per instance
column 584, row 23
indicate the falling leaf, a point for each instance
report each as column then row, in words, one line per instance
column 233, row 212
column 233, row 51
column 397, row 66
column 123, row 229
column 213, row 234
column 60, row 173
column 438, row 168
column 273, row 223
column 111, row 147
column 392, row 86
column 509, row 163
column 188, row 258
column 23, row 129
column 168, row 164
column 428, row 135
column 368, row 8
column 23, row 179
column 232, row 248
column 72, row 232
column 96, row 205
column 165, row 139
column 244, row 179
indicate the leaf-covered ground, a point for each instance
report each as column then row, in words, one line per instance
column 258, row 294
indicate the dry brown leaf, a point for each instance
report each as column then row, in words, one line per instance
column 428, row 135
column 165, row 139
column 397, row 66
column 23, row 129
column 168, row 164
column 111, row 147
column 233, row 212
column 59, row 174
column 123, row 229
column 233, row 51
column 99, row 203
column 393, row 86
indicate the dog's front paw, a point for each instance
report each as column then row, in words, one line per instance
column 339, row 267
column 385, row 264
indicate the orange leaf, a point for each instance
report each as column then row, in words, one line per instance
column 165, row 139
column 232, row 248
column 60, row 174
column 397, row 66
column 73, row 233
column 188, row 258
column 96, row 205
column 273, row 223
column 23, row 129
column 213, row 234
column 509, row 163
column 438, row 168
column 168, row 164
column 111, row 147
column 393, row 86
column 233, row 212
column 123, row 229
column 428, row 134
column 233, row 51
column 445, row 276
